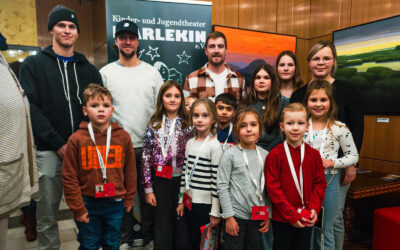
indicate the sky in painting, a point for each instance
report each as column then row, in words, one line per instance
column 368, row 37
column 246, row 46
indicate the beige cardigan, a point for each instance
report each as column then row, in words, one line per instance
column 18, row 171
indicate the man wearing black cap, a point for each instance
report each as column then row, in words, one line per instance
column 134, row 85
column 54, row 81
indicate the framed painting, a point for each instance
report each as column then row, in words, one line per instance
column 369, row 59
column 247, row 49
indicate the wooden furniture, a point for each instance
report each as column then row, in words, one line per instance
column 366, row 185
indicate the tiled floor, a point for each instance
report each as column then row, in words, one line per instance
column 68, row 234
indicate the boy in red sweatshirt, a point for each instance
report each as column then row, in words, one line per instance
column 295, row 182
column 99, row 173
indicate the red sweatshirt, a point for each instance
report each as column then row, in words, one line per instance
column 81, row 169
column 280, row 185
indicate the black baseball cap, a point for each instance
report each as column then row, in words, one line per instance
column 126, row 25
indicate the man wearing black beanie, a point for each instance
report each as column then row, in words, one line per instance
column 54, row 81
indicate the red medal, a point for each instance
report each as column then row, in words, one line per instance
column 164, row 171
column 187, row 201
column 305, row 213
column 104, row 190
column 259, row 213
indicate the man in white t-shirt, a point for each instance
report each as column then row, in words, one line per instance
column 215, row 77
column 134, row 85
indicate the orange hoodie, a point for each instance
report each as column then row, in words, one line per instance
column 81, row 169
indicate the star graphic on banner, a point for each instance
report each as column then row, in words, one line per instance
column 153, row 53
column 183, row 58
column 140, row 53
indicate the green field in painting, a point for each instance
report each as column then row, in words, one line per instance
column 388, row 55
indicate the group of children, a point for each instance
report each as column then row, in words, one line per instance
column 205, row 165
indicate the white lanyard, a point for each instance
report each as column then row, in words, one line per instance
column 165, row 146
column 299, row 187
column 259, row 190
column 188, row 179
column 323, row 139
column 101, row 162
column 226, row 140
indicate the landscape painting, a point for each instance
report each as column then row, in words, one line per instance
column 247, row 49
column 369, row 59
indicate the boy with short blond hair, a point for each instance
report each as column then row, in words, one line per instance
column 99, row 173
column 226, row 106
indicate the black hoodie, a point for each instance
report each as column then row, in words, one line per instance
column 48, row 82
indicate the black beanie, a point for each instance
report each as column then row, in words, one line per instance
column 62, row 13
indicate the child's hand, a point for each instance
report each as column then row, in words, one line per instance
column 83, row 218
column 179, row 209
column 298, row 224
column 151, row 199
column 214, row 220
column 327, row 163
column 232, row 227
column 264, row 226
column 313, row 218
column 128, row 209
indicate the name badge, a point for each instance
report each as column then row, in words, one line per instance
column 260, row 213
column 187, row 201
column 104, row 190
column 164, row 171
column 305, row 213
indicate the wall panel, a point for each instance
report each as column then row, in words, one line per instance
column 293, row 18
column 99, row 33
column 303, row 46
column 364, row 11
column 326, row 16
column 258, row 15
column 18, row 22
column 228, row 13
column 381, row 140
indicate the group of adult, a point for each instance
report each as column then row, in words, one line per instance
column 53, row 81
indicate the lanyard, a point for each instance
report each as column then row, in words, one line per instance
column 188, row 179
column 101, row 162
column 323, row 139
column 165, row 146
column 299, row 187
column 259, row 190
column 226, row 140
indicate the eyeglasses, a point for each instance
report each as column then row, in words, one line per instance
column 324, row 59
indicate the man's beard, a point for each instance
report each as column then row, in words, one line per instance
column 127, row 55
column 222, row 61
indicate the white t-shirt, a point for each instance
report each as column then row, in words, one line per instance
column 134, row 91
column 219, row 81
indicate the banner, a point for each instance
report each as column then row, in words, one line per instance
column 172, row 35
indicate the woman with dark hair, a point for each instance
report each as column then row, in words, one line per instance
column 288, row 74
column 264, row 96
column 322, row 63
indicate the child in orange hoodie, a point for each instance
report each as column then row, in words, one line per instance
column 99, row 173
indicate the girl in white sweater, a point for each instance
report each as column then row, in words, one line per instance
column 328, row 135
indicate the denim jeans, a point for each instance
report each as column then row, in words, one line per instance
column 104, row 227
column 268, row 237
column 338, row 224
column 331, row 207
